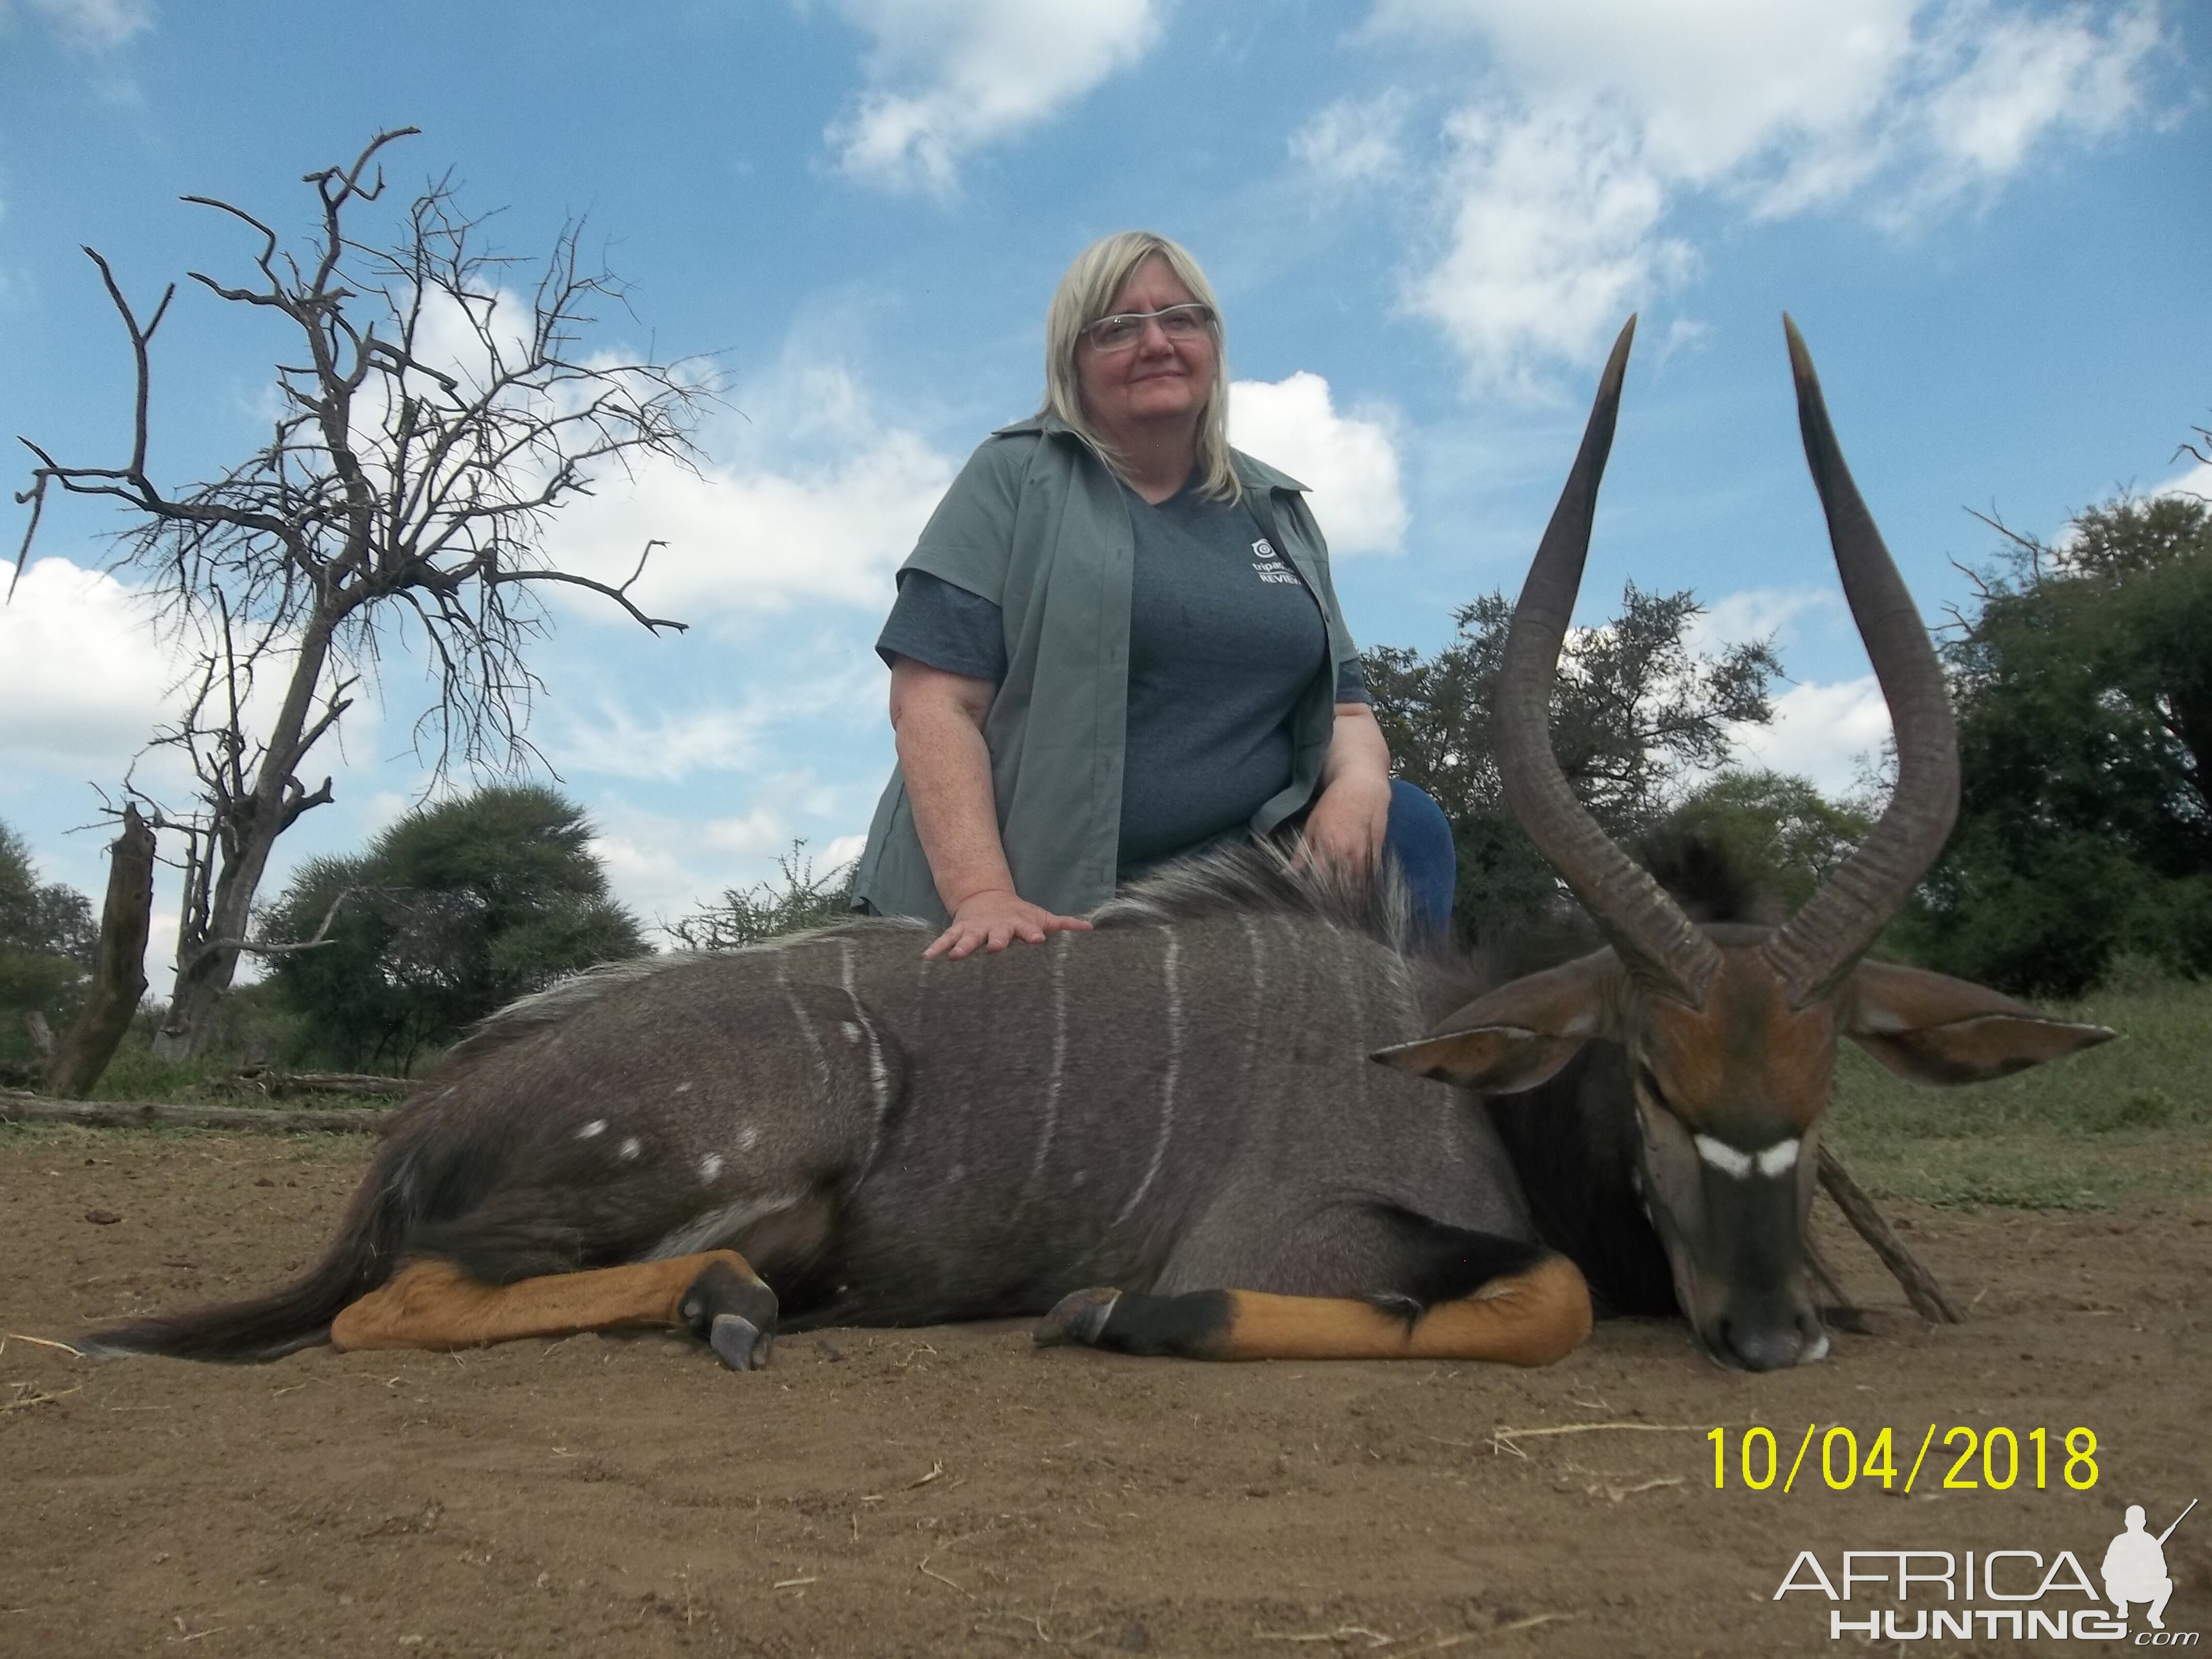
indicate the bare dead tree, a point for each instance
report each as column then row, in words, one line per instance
column 429, row 427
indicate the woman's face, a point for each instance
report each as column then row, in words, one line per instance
column 1156, row 381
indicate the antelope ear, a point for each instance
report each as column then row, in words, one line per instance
column 1521, row 1034
column 1930, row 1028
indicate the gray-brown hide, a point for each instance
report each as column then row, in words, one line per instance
column 1179, row 1100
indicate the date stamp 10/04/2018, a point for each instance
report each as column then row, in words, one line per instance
column 1993, row 1459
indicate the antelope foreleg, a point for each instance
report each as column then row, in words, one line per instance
column 1530, row 1318
column 433, row 1303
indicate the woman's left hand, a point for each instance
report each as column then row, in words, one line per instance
column 1352, row 814
column 1348, row 821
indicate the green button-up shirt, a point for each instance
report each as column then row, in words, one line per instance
column 1037, row 524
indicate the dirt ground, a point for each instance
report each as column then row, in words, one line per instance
column 956, row 1491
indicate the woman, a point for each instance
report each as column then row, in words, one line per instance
column 1116, row 642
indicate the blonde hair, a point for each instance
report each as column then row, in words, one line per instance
column 1084, row 294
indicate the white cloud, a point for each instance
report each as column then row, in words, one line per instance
column 1761, row 613
column 88, row 680
column 618, row 741
column 1353, row 141
column 1553, row 238
column 756, row 687
column 948, row 76
column 828, row 512
column 666, row 866
column 96, row 23
column 1597, row 119
column 1823, row 733
column 82, row 677
column 2197, row 481
column 2018, row 76
column 1348, row 462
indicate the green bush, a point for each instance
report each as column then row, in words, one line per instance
column 2084, row 690
column 47, row 935
column 452, row 912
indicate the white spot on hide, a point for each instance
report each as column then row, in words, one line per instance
column 629, row 1148
column 852, row 1031
column 597, row 1125
column 710, row 1166
column 683, row 1089
column 747, row 1139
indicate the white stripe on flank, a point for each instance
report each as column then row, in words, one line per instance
column 879, row 1076
column 1058, row 951
column 1168, row 1085
column 1259, row 1004
column 806, row 1025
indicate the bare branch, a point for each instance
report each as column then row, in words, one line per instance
column 403, row 483
column 263, row 948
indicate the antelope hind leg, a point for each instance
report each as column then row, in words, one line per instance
column 433, row 1303
column 1533, row 1317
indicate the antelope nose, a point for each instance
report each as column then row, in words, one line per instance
column 1763, row 1345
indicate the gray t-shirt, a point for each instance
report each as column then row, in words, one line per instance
column 1223, row 638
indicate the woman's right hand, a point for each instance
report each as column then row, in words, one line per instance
column 994, row 919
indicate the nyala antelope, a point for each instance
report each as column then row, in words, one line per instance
column 1166, row 1135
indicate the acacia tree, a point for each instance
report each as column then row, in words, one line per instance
column 1636, row 711
column 455, row 911
column 430, row 422
column 800, row 898
column 2084, row 688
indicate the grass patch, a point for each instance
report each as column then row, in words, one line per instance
column 2132, row 1118
column 137, row 1073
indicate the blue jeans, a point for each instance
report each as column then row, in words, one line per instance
column 1420, row 838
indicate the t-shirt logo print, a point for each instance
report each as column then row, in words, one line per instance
column 1268, row 564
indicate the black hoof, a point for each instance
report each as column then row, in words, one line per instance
column 739, row 1343
column 732, row 1312
column 1079, row 1317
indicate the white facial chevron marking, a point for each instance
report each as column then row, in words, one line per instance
column 1773, row 1160
column 1723, row 1157
column 1782, row 1154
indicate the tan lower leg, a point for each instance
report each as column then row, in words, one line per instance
column 434, row 1305
column 1533, row 1318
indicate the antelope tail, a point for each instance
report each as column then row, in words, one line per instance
column 386, row 1210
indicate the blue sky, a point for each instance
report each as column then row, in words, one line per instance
column 1425, row 219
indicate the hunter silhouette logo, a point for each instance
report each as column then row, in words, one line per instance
column 2134, row 1566
column 2020, row 1594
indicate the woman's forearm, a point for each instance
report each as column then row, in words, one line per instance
column 937, row 721
column 937, row 718
column 1357, row 753
column 948, row 782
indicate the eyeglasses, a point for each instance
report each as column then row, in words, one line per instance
column 1118, row 333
